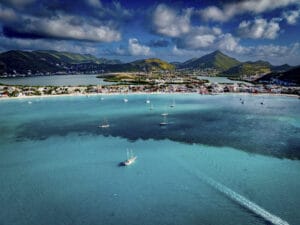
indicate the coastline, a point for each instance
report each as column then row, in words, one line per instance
column 145, row 93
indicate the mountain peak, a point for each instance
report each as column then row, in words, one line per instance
column 217, row 52
column 215, row 60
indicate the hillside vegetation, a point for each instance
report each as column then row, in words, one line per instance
column 292, row 75
column 46, row 61
column 215, row 60
column 248, row 69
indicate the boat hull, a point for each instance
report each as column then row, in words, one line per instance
column 130, row 161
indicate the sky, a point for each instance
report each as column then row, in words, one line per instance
column 170, row 30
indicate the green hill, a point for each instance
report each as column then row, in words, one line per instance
column 281, row 68
column 145, row 65
column 153, row 64
column 67, row 57
column 75, row 58
column 22, row 61
column 43, row 61
column 215, row 60
column 248, row 69
column 46, row 61
column 291, row 76
column 53, row 61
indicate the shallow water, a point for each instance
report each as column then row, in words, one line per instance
column 58, row 167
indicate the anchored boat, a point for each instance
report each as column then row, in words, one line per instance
column 105, row 124
column 130, row 158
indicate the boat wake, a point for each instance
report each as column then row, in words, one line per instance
column 241, row 200
column 246, row 203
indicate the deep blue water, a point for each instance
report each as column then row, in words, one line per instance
column 58, row 167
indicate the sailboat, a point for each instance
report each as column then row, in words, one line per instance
column 173, row 104
column 165, row 113
column 147, row 101
column 130, row 158
column 151, row 107
column 105, row 124
column 164, row 122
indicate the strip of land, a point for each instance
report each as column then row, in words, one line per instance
column 200, row 87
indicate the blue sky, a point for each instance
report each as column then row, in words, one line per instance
column 170, row 30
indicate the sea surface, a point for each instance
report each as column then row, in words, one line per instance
column 55, row 80
column 218, row 161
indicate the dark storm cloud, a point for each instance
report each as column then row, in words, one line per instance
column 17, row 3
column 88, row 20
column 12, row 33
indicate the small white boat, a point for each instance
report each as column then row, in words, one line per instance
column 105, row 124
column 29, row 102
column 101, row 98
column 164, row 122
column 125, row 100
column 173, row 104
column 130, row 158
column 147, row 101
column 165, row 113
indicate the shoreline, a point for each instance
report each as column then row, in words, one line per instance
column 146, row 93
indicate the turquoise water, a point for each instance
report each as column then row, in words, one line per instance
column 58, row 167
column 55, row 80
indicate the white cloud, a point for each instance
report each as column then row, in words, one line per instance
column 192, row 38
column 229, row 43
column 248, row 6
column 120, row 51
column 168, row 22
column 201, row 41
column 198, row 38
column 196, row 41
column 214, row 13
column 291, row 16
column 187, row 53
column 135, row 48
column 94, row 3
column 276, row 54
column 208, row 42
column 275, row 51
column 259, row 28
column 7, row 14
column 70, row 27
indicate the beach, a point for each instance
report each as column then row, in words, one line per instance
column 142, row 93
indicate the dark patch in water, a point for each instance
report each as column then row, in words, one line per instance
column 121, row 164
column 215, row 128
